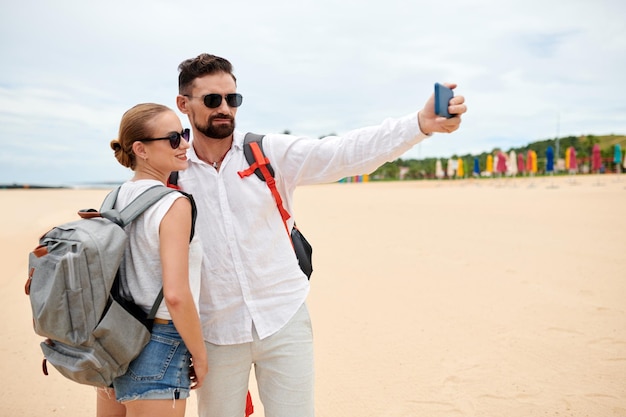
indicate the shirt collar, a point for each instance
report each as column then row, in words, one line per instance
column 237, row 144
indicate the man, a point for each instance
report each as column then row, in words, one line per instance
column 252, row 303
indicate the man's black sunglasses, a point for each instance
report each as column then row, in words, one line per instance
column 173, row 137
column 213, row 101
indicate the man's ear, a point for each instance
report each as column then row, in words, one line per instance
column 181, row 103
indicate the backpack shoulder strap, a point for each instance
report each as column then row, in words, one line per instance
column 194, row 212
column 249, row 154
column 260, row 165
column 110, row 199
column 144, row 201
column 140, row 204
column 172, row 181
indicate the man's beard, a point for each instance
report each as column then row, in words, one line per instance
column 221, row 131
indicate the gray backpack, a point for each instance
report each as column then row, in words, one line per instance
column 79, row 301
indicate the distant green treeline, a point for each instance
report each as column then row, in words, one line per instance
column 425, row 168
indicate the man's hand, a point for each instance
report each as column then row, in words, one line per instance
column 429, row 122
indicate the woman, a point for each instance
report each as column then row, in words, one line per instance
column 153, row 143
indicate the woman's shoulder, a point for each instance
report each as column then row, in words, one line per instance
column 132, row 189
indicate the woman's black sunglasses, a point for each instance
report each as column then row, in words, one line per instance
column 173, row 137
column 213, row 101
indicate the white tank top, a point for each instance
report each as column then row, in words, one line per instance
column 142, row 260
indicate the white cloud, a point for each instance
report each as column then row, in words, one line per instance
column 529, row 69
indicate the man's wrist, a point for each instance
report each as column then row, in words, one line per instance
column 420, row 124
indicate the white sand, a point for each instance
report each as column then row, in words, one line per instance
column 454, row 298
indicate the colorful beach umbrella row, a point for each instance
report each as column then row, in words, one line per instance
column 514, row 164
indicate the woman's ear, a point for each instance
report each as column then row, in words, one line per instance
column 139, row 149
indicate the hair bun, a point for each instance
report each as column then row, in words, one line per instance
column 116, row 145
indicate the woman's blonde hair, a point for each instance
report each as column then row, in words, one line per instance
column 133, row 127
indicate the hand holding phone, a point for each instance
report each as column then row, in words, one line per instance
column 443, row 95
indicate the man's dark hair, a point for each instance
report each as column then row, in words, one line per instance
column 203, row 64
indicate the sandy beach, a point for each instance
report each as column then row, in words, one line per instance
column 498, row 297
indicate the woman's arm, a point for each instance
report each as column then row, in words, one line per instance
column 174, row 234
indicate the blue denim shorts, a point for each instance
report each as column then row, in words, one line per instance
column 160, row 372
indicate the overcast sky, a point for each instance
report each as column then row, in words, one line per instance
column 529, row 69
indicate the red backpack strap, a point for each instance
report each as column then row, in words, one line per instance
column 263, row 165
column 260, row 166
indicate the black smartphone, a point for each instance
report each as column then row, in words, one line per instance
column 443, row 95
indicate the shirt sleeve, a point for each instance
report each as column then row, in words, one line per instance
column 303, row 161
